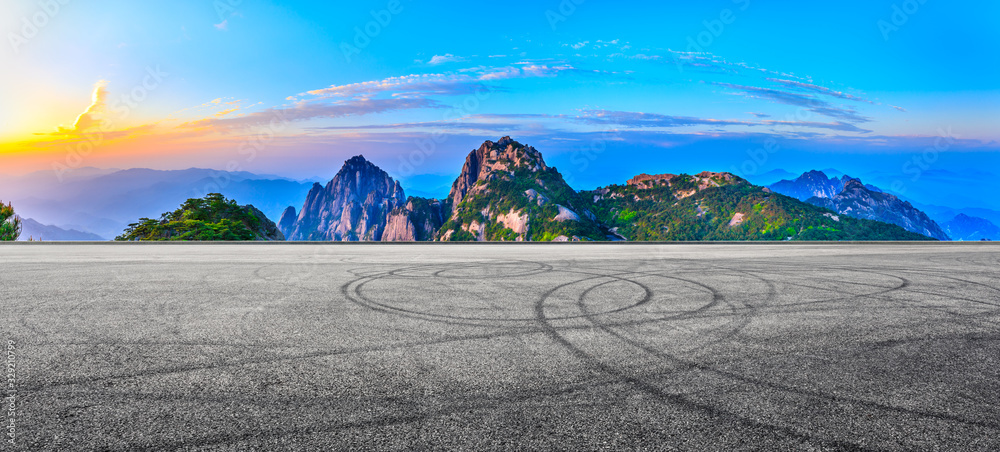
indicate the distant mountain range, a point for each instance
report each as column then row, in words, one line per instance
column 104, row 202
column 506, row 192
column 815, row 184
column 822, row 183
column 943, row 214
column 769, row 177
column 966, row 228
column 33, row 230
column 849, row 196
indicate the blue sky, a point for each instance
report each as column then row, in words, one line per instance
column 604, row 90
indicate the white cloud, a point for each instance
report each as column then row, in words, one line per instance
column 91, row 116
column 446, row 58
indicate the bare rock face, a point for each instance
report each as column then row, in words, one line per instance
column 533, row 195
column 515, row 221
column 566, row 214
column 417, row 221
column 287, row 221
column 354, row 206
column 650, row 180
column 399, row 228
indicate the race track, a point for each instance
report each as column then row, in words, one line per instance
column 402, row 347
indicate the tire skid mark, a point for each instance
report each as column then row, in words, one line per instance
column 676, row 399
column 352, row 291
column 777, row 386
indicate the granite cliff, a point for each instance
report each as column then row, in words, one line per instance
column 353, row 206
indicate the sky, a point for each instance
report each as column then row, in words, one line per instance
column 604, row 90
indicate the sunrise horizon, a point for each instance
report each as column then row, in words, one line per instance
column 206, row 85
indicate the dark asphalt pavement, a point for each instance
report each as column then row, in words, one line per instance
column 334, row 347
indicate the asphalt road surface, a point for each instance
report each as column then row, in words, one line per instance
column 346, row 347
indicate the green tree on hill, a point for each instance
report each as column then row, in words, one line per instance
column 205, row 219
column 10, row 223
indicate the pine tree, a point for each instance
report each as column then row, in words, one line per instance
column 10, row 224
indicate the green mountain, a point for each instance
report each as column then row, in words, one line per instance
column 722, row 206
column 210, row 218
column 506, row 192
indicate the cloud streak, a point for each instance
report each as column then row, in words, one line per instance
column 806, row 101
column 306, row 110
column 633, row 119
column 91, row 117
column 649, row 120
column 819, row 89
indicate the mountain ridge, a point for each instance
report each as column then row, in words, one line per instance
column 507, row 192
column 968, row 228
column 850, row 196
column 31, row 229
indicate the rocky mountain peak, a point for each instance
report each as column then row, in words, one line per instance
column 650, row 180
column 506, row 191
column 357, row 160
column 814, row 174
column 359, row 166
column 684, row 184
column 353, row 206
column 853, row 185
column 810, row 184
column 491, row 160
